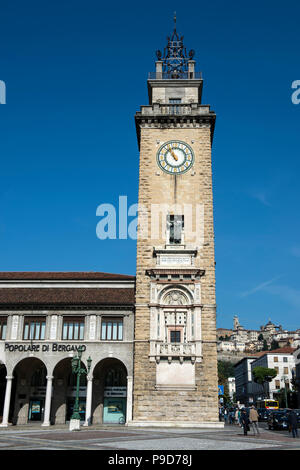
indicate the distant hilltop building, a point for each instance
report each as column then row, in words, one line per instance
column 241, row 340
column 236, row 322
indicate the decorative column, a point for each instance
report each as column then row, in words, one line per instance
column 129, row 399
column 7, row 401
column 88, row 406
column 48, row 401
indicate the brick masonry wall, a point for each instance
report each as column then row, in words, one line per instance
column 194, row 187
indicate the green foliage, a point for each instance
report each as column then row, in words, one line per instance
column 274, row 345
column 265, row 346
column 290, row 395
column 262, row 375
column 222, row 338
column 225, row 370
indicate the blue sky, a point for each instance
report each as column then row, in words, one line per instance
column 75, row 75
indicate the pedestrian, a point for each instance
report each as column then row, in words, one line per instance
column 292, row 421
column 237, row 421
column 245, row 421
column 225, row 416
column 253, row 416
column 230, row 416
column 239, row 417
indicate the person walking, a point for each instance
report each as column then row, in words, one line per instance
column 230, row 416
column 253, row 416
column 292, row 421
column 237, row 420
column 245, row 421
column 225, row 415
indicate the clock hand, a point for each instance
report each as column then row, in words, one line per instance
column 173, row 154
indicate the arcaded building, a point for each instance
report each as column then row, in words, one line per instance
column 44, row 318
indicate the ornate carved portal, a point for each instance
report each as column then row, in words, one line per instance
column 175, row 297
column 175, row 325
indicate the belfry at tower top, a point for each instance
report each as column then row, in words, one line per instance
column 174, row 91
column 175, row 62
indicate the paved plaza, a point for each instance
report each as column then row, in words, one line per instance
column 110, row 438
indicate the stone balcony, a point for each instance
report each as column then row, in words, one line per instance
column 160, row 75
column 182, row 109
column 174, row 351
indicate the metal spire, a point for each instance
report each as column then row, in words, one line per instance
column 175, row 58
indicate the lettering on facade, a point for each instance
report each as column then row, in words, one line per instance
column 180, row 260
column 54, row 347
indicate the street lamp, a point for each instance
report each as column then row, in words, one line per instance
column 78, row 370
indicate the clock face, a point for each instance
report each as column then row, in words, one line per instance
column 175, row 157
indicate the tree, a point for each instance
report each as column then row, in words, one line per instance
column 225, row 370
column 265, row 346
column 274, row 345
column 291, row 396
column 263, row 375
column 260, row 337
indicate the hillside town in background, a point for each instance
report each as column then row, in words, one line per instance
column 241, row 350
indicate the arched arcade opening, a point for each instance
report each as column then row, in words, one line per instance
column 109, row 404
column 29, row 391
column 64, row 392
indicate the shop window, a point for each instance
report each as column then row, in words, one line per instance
column 73, row 328
column 112, row 329
column 3, row 326
column 34, row 328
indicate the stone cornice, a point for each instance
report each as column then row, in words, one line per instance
column 162, row 121
column 184, row 270
column 36, row 307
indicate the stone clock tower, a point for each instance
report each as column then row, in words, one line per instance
column 175, row 359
